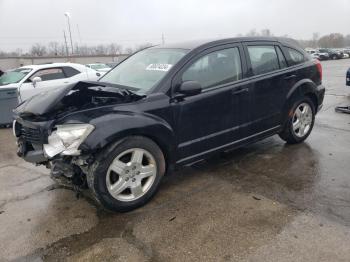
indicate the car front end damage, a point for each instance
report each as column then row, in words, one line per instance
column 57, row 148
column 46, row 137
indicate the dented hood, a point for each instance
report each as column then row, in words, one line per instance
column 75, row 97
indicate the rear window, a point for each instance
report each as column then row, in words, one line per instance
column 70, row 71
column 296, row 57
column 263, row 59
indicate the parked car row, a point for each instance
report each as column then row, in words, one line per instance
column 328, row 53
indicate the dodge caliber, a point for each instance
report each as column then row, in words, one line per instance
column 168, row 106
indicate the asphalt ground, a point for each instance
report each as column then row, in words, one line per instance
column 265, row 202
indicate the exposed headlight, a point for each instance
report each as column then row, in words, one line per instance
column 66, row 139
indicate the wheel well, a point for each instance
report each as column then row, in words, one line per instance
column 313, row 99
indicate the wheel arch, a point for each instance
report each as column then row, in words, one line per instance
column 121, row 127
column 303, row 88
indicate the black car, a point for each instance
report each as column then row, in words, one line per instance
column 169, row 106
column 348, row 77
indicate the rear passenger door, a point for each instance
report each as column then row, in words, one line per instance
column 268, row 75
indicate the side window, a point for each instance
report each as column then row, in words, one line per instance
column 281, row 58
column 216, row 68
column 70, row 71
column 296, row 56
column 263, row 59
column 49, row 74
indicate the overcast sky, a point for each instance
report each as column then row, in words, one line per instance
column 132, row 22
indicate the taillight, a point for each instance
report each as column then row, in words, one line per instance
column 319, row 68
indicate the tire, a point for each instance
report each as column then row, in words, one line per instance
column 290, row 133
column 129, row 170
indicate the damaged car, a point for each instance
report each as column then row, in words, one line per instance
column 169, row 106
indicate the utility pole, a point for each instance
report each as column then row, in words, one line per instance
column 70, row 32
column 163, row 39
column 65, row 40
column 81, row 43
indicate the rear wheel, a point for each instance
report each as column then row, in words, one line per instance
column 300, row 122
column 128, row 174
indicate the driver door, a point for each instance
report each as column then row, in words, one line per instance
column 216, row 117
column 50, row 78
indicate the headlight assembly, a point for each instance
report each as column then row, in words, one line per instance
column 66, row 139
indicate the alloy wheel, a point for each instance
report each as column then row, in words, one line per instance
column 302, row 120
column 131, row 174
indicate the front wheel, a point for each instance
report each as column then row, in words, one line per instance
column 127, row 175
column 300, row 122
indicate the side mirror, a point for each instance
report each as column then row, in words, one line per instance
column 36, row 80
column 190, row 88
column 98, row 74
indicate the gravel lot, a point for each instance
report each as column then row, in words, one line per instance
column 265, row 202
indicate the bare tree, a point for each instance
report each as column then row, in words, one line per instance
column 143, row 46
column 53, row 48
column 114, row 49
column 38, row 50
column 335, row 40
column 129, row 50
column 266, row 32
column 252, row 33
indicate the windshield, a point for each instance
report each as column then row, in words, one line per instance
column 14, row 76
column 144, row 69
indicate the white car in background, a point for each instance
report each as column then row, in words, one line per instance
column 34, row 79
column 99, row 67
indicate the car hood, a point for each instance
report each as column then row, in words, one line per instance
column 75, row 97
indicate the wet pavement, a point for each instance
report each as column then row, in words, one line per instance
column 264, row 202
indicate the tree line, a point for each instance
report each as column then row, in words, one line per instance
column 333, row 40
column 60, row 49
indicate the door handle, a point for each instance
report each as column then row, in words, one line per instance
column 290, row 77
column 240, row 91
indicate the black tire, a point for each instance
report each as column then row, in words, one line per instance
column 98, row 173
column 288, row 133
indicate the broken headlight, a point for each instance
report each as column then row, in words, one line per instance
column 66, row 139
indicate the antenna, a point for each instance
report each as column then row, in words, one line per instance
column 79, row 34
column 67, row 14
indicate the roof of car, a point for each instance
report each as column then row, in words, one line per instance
column 190, row 45
column 50, row 65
